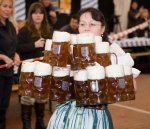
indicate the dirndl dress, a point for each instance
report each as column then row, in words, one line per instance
column 69, row 116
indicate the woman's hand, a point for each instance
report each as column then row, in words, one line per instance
column 40, row 43
column 17, row 60
column 9, row 62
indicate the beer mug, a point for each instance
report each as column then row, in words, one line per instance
column 47, row 52
column 60, row 87
column 73, row 52
column 60, row 48
column 103, row 55
column 96, row 85
column 115, row 83
column 81, row 87
column 26, row 79
column 85, row 50
column 129, row 89
column 42, row 81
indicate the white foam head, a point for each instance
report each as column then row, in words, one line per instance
column 80, row 75
column 42, row 69
column 127, row 69
column 61, row 71
column 59, row 37
column 96, row 72
column 85, row 38
column 48, row 45
column 114, row 71
column 27, row 66
column 73, row 39
column 98, row 39
column 102, row 47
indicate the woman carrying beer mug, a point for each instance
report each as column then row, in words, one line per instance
column 31, row 45
column 68, row 115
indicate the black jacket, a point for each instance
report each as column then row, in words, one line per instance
column 26, row 47
column 8, row 43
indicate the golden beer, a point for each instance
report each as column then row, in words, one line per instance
column 26, row 84
column 129, row 90
column 60, row 48
column 41, row 87
column 103, row 59
column 97, row 92
column 130, row 93
column 26, row 79
column 103, row 56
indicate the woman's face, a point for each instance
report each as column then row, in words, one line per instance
column 37, row 17
column 89, row 25
column 6, row 8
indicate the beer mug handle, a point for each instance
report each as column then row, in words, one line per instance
column 71, row 53
column 114, row 59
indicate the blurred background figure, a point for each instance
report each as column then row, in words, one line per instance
column 72, row 27
column 51, row 13
column 133, row 17
column 8, row 56
column 145, row 16
column 31, row 41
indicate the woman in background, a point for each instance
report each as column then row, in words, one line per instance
column 31, row 41
column 8, row 56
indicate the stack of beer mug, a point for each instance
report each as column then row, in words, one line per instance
column 80, row 67
column 61, row 89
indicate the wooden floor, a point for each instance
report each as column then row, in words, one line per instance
column 126, row 115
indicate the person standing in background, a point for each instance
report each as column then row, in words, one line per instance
column 72, row 27
column 8, row 56
column 133, row 17
column 51, row 13
column 31, row 41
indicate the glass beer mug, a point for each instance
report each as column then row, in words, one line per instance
column 103, row 55
column 115, row 83
column 42, row 81
column 61, row 89
column 96, row 85
column 26, row 79
column 60, row 48
column 129, row 89
column 81, row 87
column 47, row 52
column 85, row 50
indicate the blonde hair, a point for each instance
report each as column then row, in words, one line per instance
column 13, row 1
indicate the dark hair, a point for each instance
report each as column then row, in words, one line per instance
column 74, row 16
column 45, row 27
column 97, row 15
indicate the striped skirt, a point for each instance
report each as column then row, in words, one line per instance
column 68, row 116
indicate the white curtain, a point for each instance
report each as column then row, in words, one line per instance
column 20, row 11
column 89, row 3
column 121, row 8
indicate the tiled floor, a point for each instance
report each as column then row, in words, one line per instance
column 126, row 115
